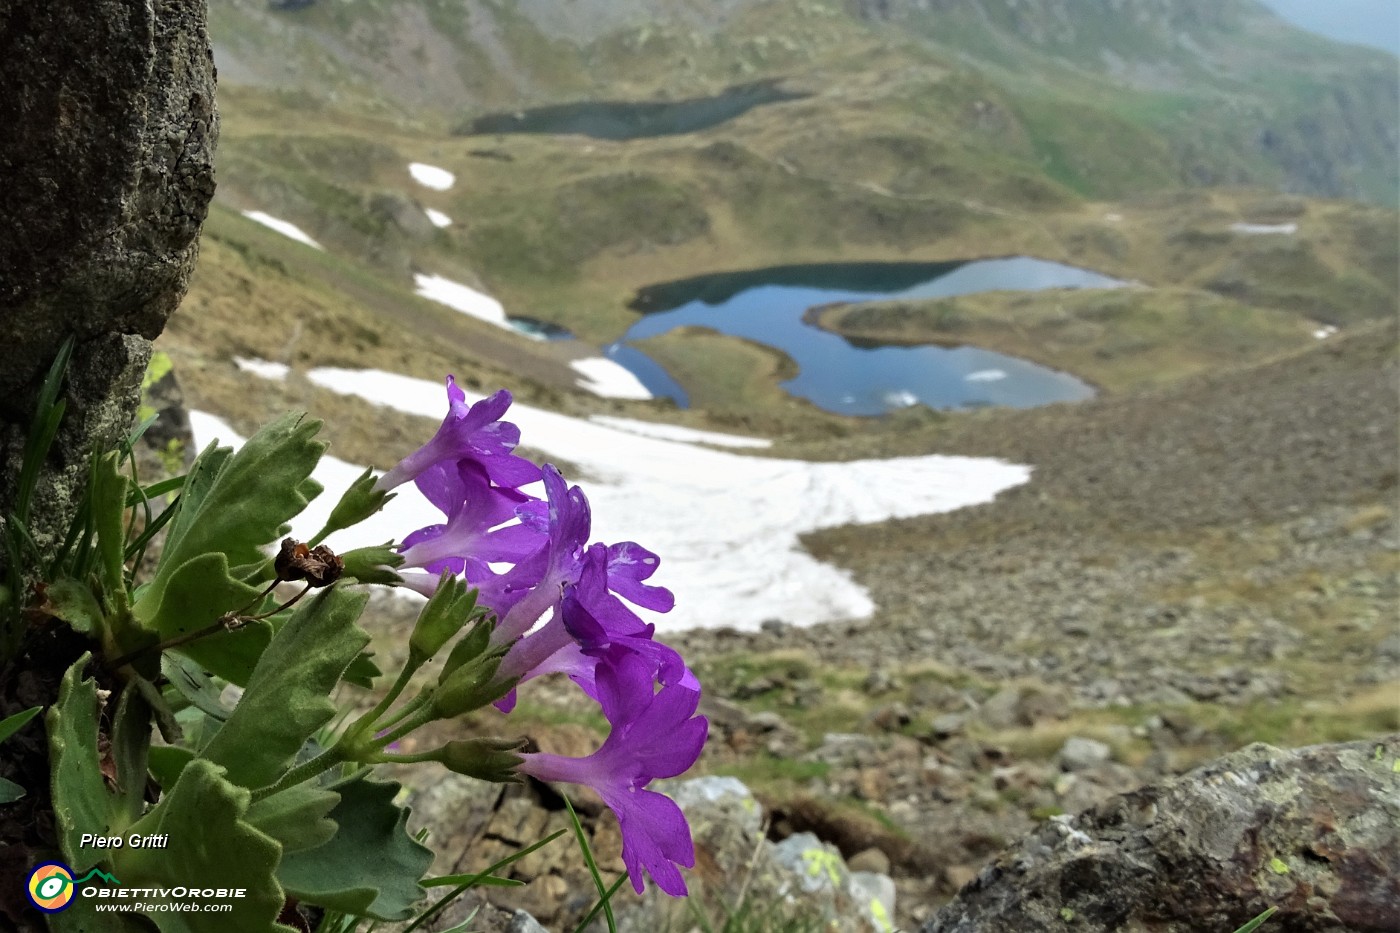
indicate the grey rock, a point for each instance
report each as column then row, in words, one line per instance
column 816, row 866
column 107, row 161
column 874, row 895
column 1310, row 831
column 1080, row 754
column 522, row 922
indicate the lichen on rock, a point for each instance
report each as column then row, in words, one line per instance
column 1311, row 831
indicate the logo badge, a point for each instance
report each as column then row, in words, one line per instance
column 51, row 887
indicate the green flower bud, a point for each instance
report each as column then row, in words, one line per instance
column 450, row 607
column 470, row 687
column 473, row 645
column 491, row 760
column 372, row 564
column 360, row 501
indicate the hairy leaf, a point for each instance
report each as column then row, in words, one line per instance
column 166, row 763
column 131, row 745
column 73, row 602
column 287, row 698
column 79, row 797
column 234, row 502
column 209, row 844
column 362, row 671
column 371, row 867
column 191, row 682
column 296, row 817
column 108, row 504
column 194, row 597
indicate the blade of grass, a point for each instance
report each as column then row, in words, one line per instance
column 466, row 881
column 604, row 895
column 159, row 488
column 12, row 724
column 1257, row 922
column 604, row 903
column 138, row 431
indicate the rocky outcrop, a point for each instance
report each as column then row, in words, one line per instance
column 107, row 164
column 739, row 872
column 1310, row 831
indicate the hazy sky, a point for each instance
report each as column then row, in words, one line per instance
column 1368, row 22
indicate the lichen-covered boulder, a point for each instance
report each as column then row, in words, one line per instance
column 1314, row 832
column 107, row 166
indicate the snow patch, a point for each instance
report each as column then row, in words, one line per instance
column 1256, row 229
column 985, row 375
column 602, row 376
column 438, row 218
column 1324, row 331
column 262, row 368
column 462, row 298
column 430, row 176
column 283, row 227
column 676, row 432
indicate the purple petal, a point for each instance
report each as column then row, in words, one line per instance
column 655, row 837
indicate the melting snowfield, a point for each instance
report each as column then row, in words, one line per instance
column 284, row 227
column 461, row 298
column 602, row 376
column 430, row 176
column 726, row 525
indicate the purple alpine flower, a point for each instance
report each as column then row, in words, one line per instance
column 588, row 621
column 654, row 735
column 537, row 582
column 475, row 433
column 477, row 532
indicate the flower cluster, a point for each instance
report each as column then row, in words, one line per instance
column 561, row 606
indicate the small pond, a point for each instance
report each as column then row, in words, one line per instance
column 767, row 305
column 632, row 119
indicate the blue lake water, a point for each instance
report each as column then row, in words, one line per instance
column 767, row 305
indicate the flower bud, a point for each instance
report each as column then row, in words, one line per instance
column 450, row 607
column 374, row 564
column 472, row 646
column 358, row 503
column 470, row 687
column 491, row 760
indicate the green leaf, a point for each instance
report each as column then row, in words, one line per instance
column 192, row 683
column 12, row 724
column 371, row 867
column 236, row 502
column 194, row 597
column 1257, row 922
column 73, row 602
column 131, row 745
column 79, row 797
column 287, row 698
column 296, row 817
column 362, row 671
column 209, row 844
column 166, row 763
column 10, row 791
column 108, row 504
